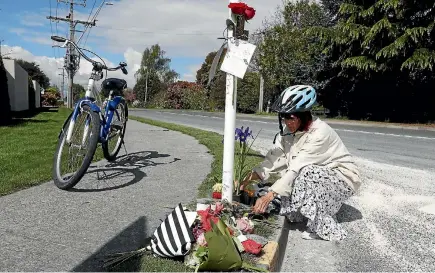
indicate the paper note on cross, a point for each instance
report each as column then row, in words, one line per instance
column 238, row 57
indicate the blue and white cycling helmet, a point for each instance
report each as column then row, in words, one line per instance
column 296, row 98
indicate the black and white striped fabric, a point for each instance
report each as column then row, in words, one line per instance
column 173, row 237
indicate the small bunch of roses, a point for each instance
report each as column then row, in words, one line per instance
column 243, row 10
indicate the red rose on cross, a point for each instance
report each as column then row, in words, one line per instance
column 242, row 9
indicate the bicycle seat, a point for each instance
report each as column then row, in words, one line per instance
column 113, row 84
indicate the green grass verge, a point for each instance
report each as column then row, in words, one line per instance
column 213, row 142
column 27, row 149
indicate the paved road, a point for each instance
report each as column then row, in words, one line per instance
column 391, row 221
column 46, row 229
column 408, row 148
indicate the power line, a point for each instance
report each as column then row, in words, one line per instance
column 72, row 60
column 168, row 33
column 87, row 26
column 51, row 26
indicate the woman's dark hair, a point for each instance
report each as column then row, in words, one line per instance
column 306, row 119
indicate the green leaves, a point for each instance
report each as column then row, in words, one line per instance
column 362, row 63
column 222, row 254
column 422, row 58
column 289, row 53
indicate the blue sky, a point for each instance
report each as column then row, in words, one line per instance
column 186, row 29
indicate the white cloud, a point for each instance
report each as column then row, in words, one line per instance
column 181, row 27
column 51, row 66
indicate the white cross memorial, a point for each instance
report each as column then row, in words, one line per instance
column 235, row 64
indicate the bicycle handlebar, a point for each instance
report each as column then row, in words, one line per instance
column 121, row 65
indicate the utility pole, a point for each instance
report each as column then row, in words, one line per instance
column 63, row 83
column 146, row 85
column 71, row 57
column 261, row 97
column 260, row 102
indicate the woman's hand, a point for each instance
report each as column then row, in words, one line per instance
column 262, row 203
column 252, row 176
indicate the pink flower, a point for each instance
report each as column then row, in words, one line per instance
column 244, row 225
column 218, row 209
column 201, row 240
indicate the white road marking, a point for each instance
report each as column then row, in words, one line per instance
column 383, row 134
column 343, row 130
column 428, row 209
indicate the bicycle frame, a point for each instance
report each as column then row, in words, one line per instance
column 91, row 97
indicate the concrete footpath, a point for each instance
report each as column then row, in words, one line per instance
column 46, row 229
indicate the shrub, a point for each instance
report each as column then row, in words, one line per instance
column 185, row 95
column 50, row 99
column 129, row 96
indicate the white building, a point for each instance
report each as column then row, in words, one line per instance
column 37, row 88
column 18, row 85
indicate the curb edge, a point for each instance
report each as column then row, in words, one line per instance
column 275, row 250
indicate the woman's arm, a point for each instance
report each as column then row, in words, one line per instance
column 275, row 161
column 314, row 151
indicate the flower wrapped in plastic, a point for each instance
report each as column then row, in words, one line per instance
column 221, row 253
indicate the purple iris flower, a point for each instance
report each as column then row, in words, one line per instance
column 242, row 135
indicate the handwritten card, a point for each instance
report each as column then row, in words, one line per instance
column 237, row 58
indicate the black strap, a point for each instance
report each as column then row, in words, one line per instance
column 215, row 63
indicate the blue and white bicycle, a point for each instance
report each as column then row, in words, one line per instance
column 91, row 122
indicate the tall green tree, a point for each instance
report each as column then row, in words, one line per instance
column 155, row 68
column 35, row 72
column 288, row 55
column 248, row 93
column 382, row 54
column 216, row 90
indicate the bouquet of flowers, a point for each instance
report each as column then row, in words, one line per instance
column 220, row 240
column 209, row 239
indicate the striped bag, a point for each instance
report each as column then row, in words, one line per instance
column 174, row 236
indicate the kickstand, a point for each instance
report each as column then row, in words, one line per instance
column 125, row 149
column 103, row 177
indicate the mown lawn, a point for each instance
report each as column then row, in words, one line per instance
column 27, row 149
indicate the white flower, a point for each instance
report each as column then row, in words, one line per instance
column 217, row 187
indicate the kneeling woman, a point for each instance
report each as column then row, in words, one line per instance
column 317, row 172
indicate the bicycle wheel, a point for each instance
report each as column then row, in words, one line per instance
column 85, row 144
column 116, row 133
